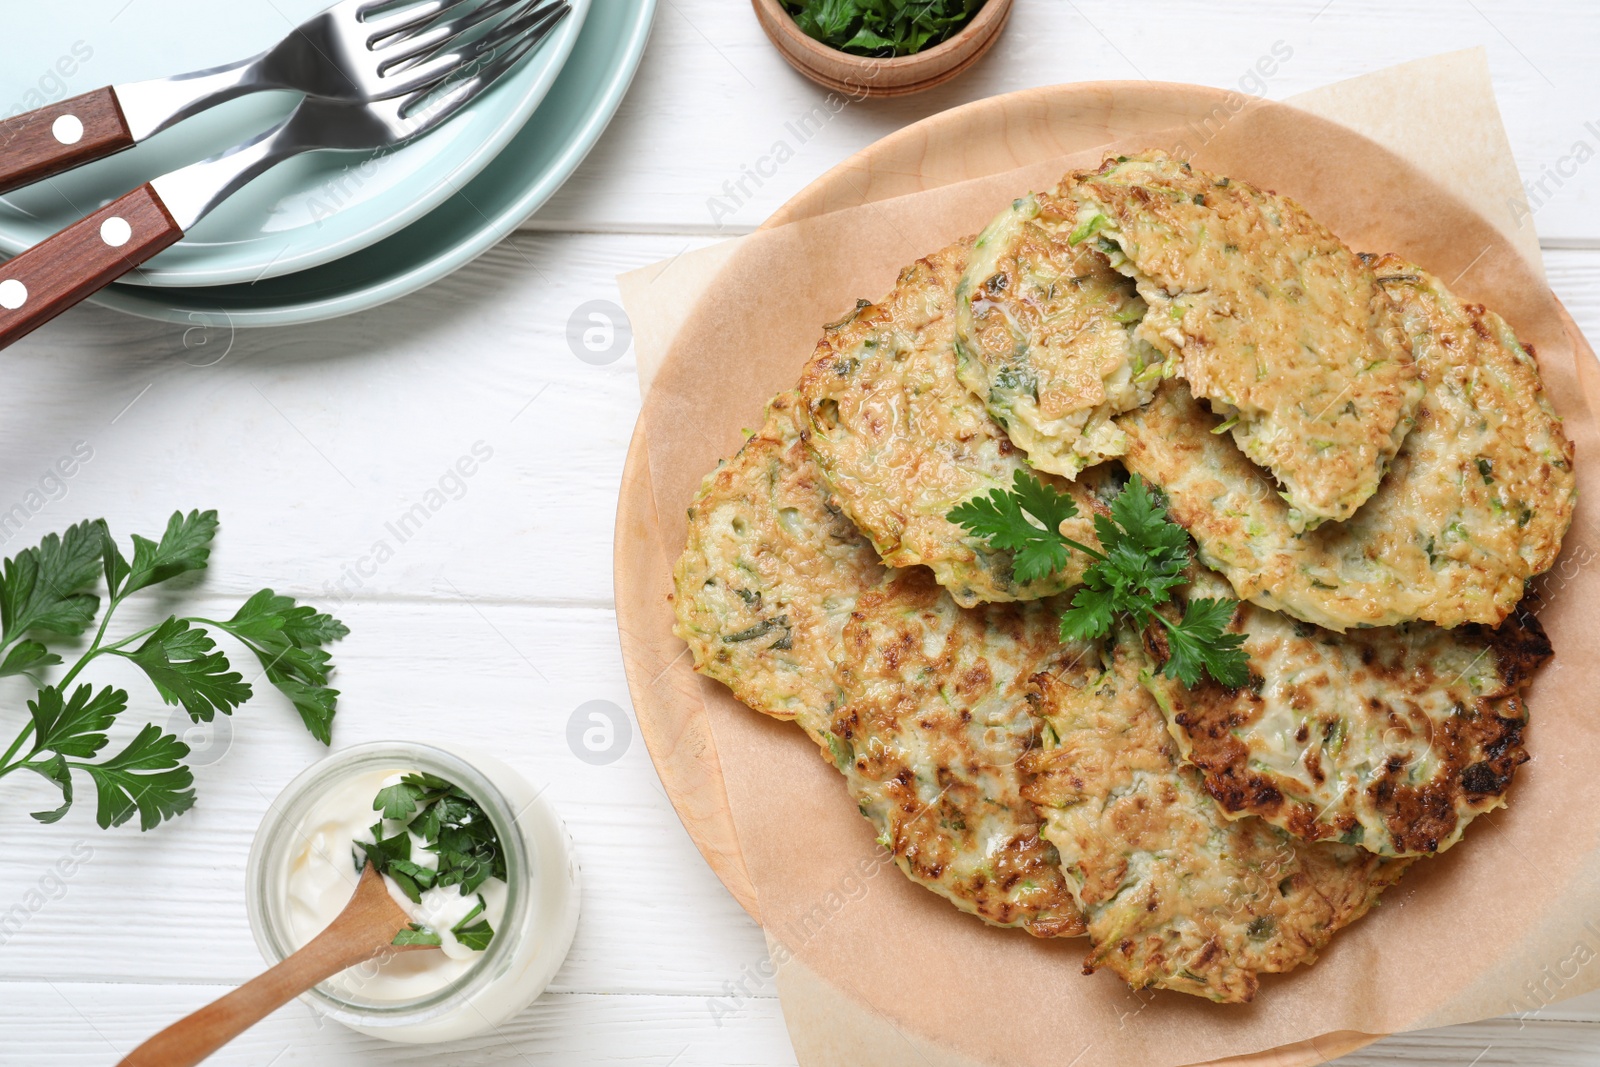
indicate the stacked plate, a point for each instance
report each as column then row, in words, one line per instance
column 327, row 233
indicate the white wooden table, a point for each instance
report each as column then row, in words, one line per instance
column 495, row 619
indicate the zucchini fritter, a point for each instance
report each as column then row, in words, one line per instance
column 916, row 702
column 1176, row 895
column 1045, row 336
column 1269, row 317
column 902, row 441
column 1475, row 504
column 770, row 574
column 933, row 727
column 1391, row 738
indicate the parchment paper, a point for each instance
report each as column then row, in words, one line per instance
column 1503, row 922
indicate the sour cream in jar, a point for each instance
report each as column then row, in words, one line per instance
column 501, row 936
column 323, row 872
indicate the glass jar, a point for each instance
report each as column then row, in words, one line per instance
column 541, row 912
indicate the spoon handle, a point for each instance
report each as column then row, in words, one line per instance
column 193, row 1038
column 365, row 929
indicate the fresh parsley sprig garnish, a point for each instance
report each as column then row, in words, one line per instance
column 452, row 826
column 48, row 592
column 1201, row 640
column 1141, row 559
column 1025, row 521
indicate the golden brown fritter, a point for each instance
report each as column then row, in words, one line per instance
column 1177, row 895
column 902, row 441
column 934, row 725
column 1475, row 504
column 770, row 574
column 1045, row 336
column 916, row 702
column 1392, row 738
column 1268, row 316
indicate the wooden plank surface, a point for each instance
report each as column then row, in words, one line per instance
column 495, row 615
column 662, row 169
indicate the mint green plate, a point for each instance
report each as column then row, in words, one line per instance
column 305, row 212
column 528, row 170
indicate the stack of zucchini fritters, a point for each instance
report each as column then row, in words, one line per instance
column 1367, row 463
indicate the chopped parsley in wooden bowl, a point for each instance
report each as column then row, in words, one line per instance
column 872, row 48
column 882, row 28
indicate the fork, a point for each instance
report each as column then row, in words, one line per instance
column 88, row 255
column 353, row 52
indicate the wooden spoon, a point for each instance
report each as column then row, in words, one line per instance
column 365, row 928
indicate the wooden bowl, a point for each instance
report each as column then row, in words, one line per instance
column 860, row 76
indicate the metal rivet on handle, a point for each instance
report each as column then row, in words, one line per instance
column 115, row 231
column 68, row 129
column 13, row 294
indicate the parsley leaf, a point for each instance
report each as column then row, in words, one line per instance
column 1199, row 641
column 382, row 851
column 180, row 662
column 287, row 638
column 55, row 770
column 1025, row 521
column 398, row 801
column 76, row 726
column 1144, row 522
column 267, row 616
column 69, row 727
column 27, row 656
column 412, row 878
column 185, row 546
column 1093, row 611
column 477, row 935
column 416, row 934
column 43, row 589
column 147, row 777
column 315, row 703
column 432, row 785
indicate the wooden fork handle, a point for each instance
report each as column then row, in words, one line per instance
column 61, row 136
column 193, row 1038
column 84, row 258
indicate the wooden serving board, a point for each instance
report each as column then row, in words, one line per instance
column 980, row 139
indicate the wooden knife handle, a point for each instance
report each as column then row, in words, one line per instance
column 60, row 136
column 84, row 258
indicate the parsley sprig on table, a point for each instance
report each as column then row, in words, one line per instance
column 1141, row 560
column 453, row 827
column 881, row 27
column 49, row 593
